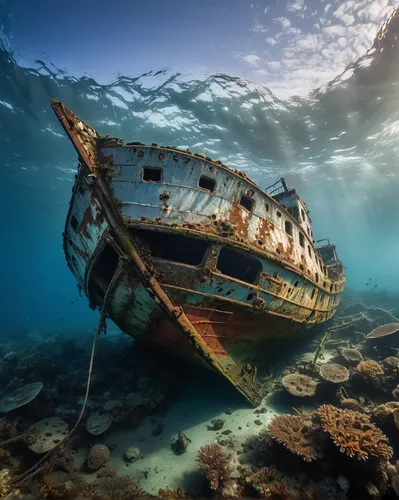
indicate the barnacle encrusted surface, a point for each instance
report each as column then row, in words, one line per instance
column 354, row 433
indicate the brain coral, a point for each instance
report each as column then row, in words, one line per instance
column 97, row 457
column 334, row 373
column 369, row 368
column 295, row 433
column 299, row 385
column 354, row 433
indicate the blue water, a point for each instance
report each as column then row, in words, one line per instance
column 338, row 147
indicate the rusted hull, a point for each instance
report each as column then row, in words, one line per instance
column 192, row 256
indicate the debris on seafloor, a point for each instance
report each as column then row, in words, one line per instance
column 180, row 445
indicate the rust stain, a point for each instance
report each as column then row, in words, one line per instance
column 263, row 231
column 239, row 219
column 88, row 218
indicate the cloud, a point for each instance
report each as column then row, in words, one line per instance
column 271, row 41
column 296, row 5
column 259, row 28
column 307, row 55
column 252, row 60
column 274, row 65
column 285, row 23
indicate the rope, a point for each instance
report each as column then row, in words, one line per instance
column 22, row 479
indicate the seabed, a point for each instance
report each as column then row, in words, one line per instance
column 329, row 427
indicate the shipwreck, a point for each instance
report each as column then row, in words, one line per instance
column 192, row 256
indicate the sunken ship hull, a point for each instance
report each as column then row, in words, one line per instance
column 193, row 257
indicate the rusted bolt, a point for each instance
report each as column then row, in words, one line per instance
column 186, row 160
column 164, row 197
column 214, row 216
column 278, row 251
column 214, row 252
column 91, row 179
column 140, row 154
column 158, row 219
column 260, row 242
column 259, row 303
column 175, row 157
column 161, row 156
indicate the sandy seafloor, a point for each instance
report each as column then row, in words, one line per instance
column 204, row 396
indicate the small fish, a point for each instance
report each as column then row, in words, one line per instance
column 375, row 286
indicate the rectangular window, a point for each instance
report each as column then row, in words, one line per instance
column 238, row 265
column 173, row 247
column 309, row 251
column 152, row 174
column 207, row 183
column 288, row 227
column 247, row 202
column 302, row 240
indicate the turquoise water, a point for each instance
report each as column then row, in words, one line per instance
column 338, row 147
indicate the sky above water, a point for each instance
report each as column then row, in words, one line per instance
column 291, row 46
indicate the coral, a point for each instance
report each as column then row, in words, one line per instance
column 121, row 488
column 265, row 483
column 49, row 432
column 97, row 457
column 385, row 409
column 392, row 363
column 8, row 461
column 295, row 433
column 20, row 397
column 214, row 463
column 354, row 433
column 299, row 385
column 112, row 404
column 351, row 355
column 5, row 483
column 134, row 399
column 132, row 454
column 369, row 368
column 352, row 404
column 97, row 423
column 171, row 494
column 333, row 372
column 383, row 330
